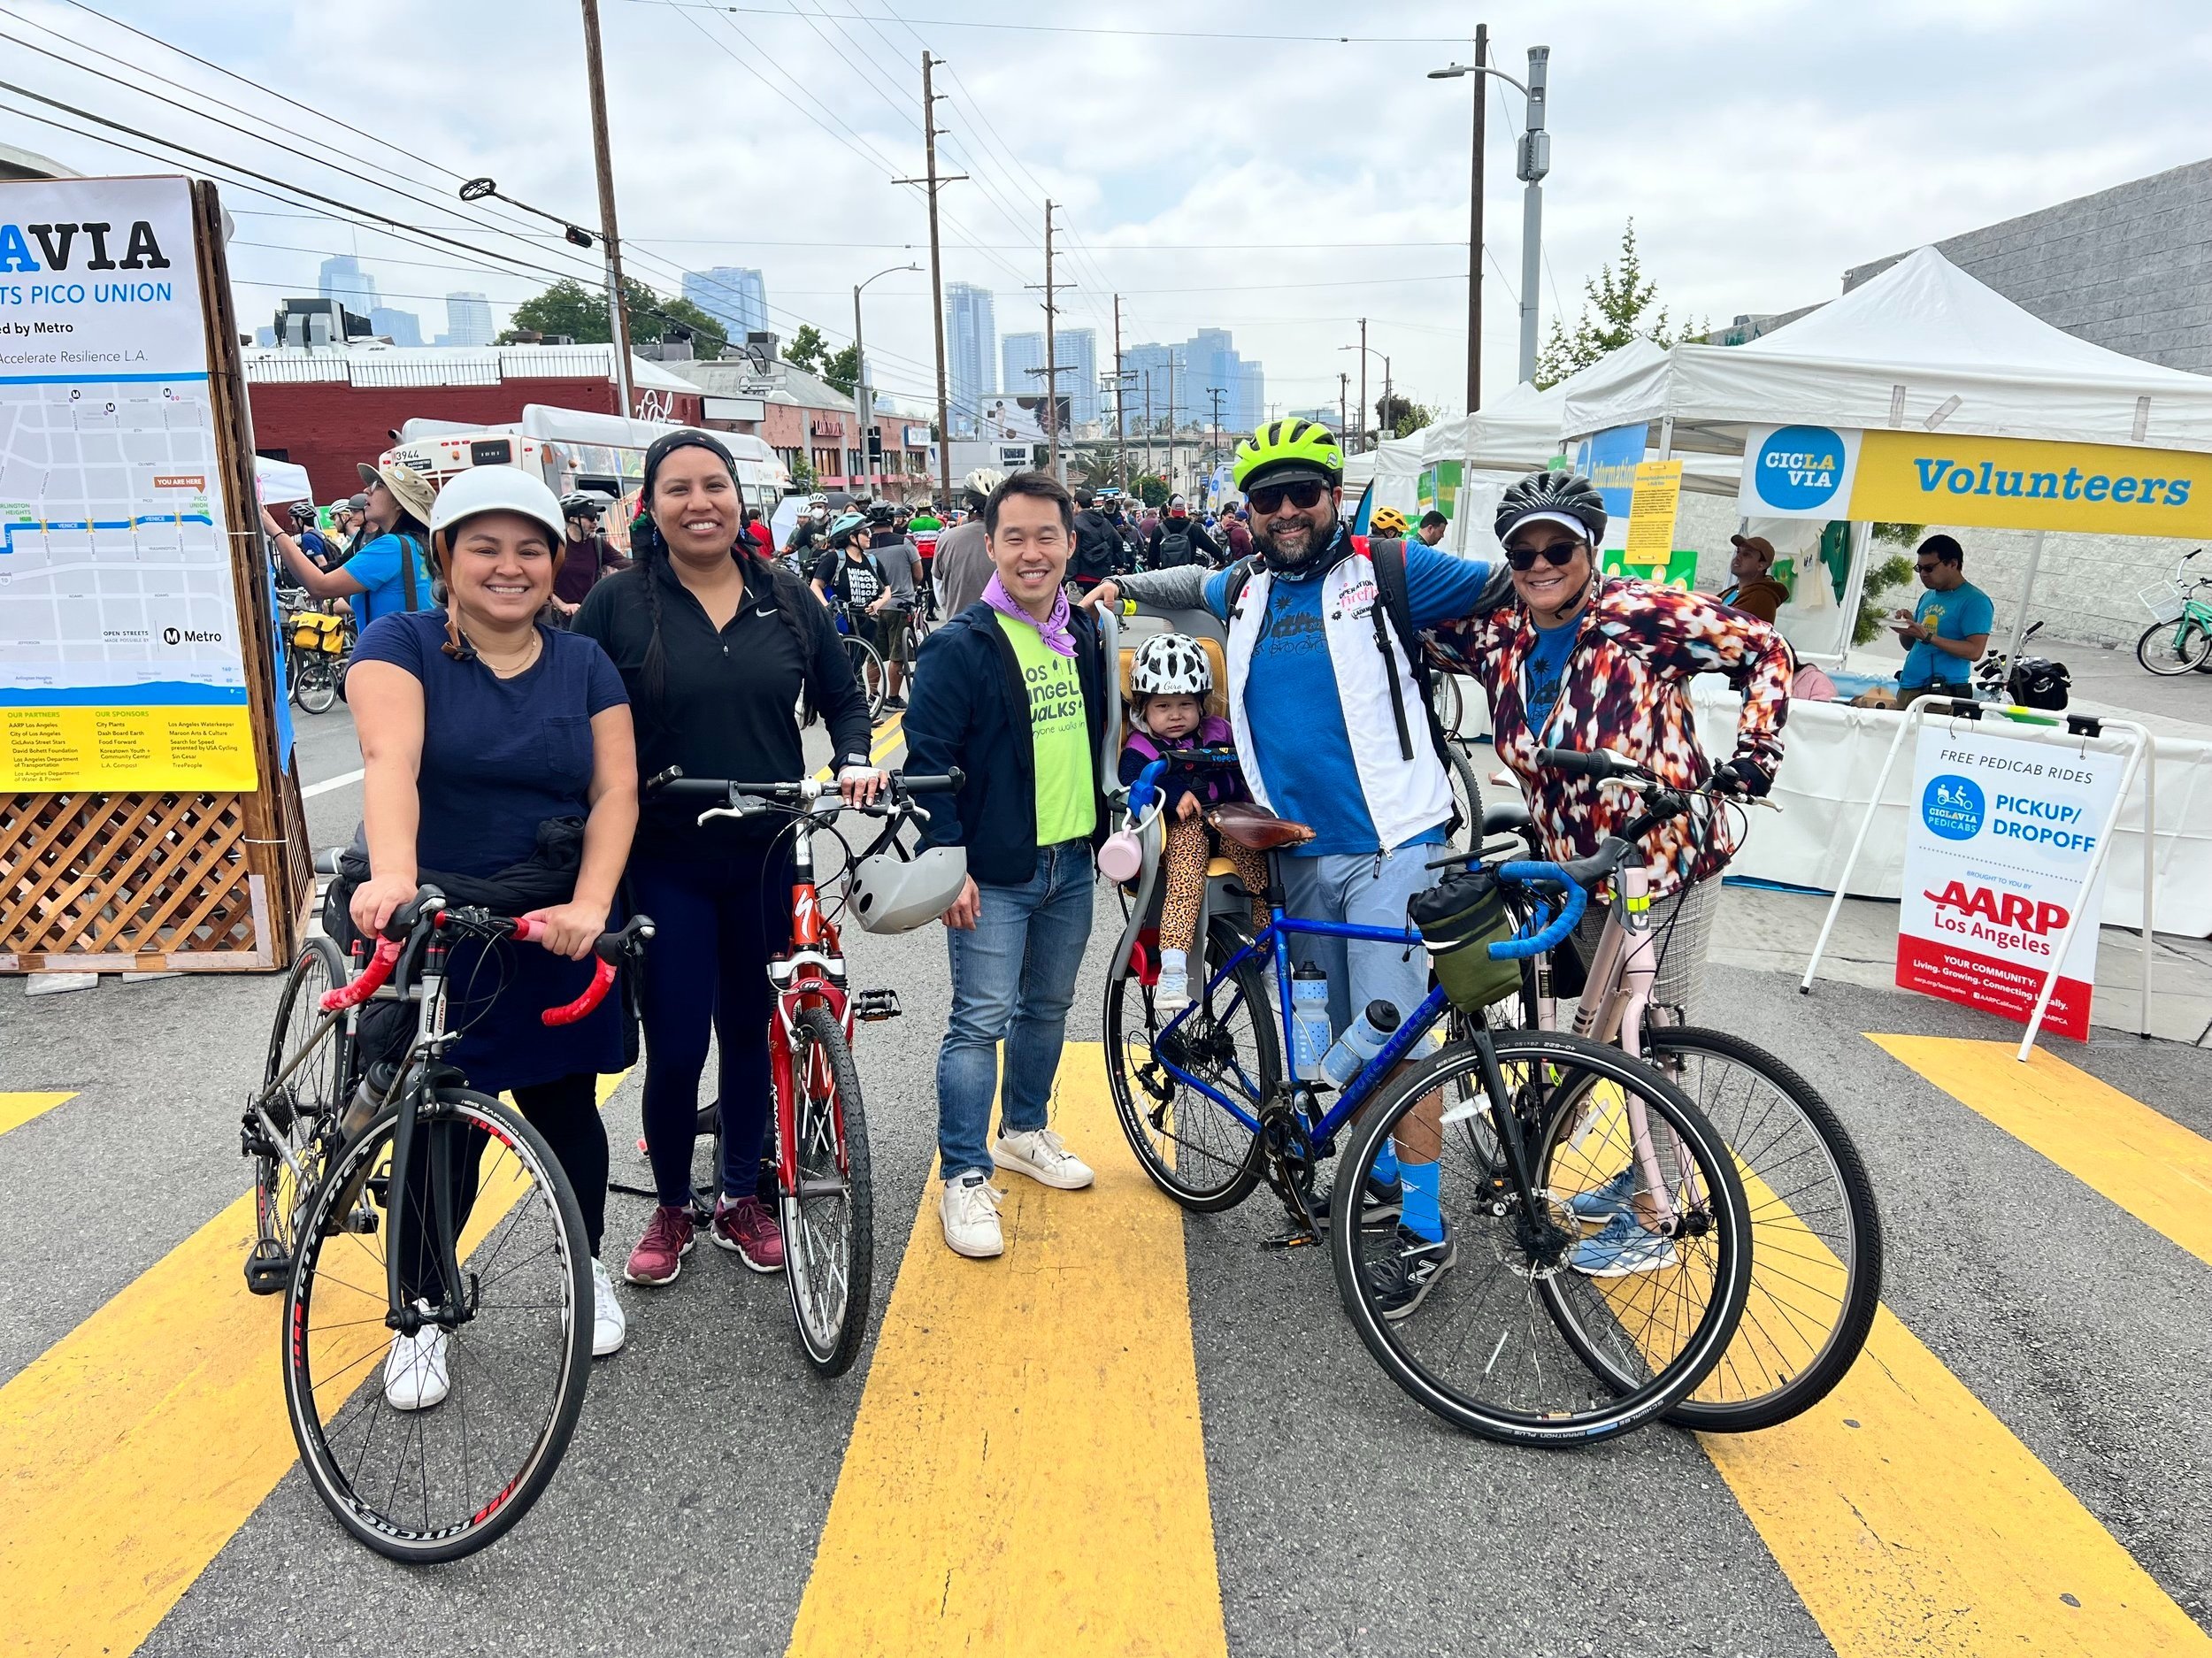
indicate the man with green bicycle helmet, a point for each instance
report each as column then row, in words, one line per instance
column 1326, row 701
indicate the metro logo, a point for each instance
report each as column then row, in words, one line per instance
column 2008, row 909
column 60, row 244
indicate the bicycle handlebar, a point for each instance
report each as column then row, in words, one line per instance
column 1602, row 764
column 428, row 907
column 1550, row 937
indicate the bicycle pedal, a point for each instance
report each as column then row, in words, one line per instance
column 267, row 1268
column 875, row 1005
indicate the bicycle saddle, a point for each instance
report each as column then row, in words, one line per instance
column 1256, row 827
column 1504, row 816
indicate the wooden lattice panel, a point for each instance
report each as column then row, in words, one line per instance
column 127, row 881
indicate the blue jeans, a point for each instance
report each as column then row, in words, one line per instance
column 1013, row 978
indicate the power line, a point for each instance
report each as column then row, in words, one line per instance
column 1061, row 29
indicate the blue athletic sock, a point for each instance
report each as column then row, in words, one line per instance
column 1387, row 1164
column 1424, row 1213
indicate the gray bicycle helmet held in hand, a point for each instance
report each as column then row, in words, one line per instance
column 891, row 893
column 1561, row 497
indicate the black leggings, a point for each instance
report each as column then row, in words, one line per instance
column 567, row 1112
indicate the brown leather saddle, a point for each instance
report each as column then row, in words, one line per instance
column 1257, row 827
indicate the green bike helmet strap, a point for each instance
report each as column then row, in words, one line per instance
column 1289, row 447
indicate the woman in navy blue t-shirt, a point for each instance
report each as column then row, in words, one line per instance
column 478, row 725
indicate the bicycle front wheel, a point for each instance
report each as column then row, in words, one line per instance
column 829, row 1234
column 303, row 1090
column 315, row 686
column 429, row 1444
column 1192, row 1145
column 1518, row 1328
column 2174, row 648
column 868, row 671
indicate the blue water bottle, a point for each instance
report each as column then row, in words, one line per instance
column 1309, row 1028
column 1361, row 1043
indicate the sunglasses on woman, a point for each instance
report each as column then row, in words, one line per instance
column 1556, row 554
column 1267, row 500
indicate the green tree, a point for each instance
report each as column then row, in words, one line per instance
column 1617, row 307
column 1151, row 489
column 1891, row 573
column 806, row 349
column 1401, row 417
column 580, row 312
column 842, row 370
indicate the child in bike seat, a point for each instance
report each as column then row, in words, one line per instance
column 1168, row 684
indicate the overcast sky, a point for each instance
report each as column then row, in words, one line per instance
column 1275, row 184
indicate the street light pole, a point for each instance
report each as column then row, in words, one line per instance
column 1474, row 226
column 860, row 398
column 1534, row 161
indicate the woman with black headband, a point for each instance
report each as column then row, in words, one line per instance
column 716, row 645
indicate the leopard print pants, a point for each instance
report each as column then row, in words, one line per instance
column 1189, row 848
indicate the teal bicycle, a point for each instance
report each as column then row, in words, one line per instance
column 2180, row 639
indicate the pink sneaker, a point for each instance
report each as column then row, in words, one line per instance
column 746, row 1227
column 659, row 1254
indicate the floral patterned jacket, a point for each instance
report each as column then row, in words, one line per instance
column 1627, row 688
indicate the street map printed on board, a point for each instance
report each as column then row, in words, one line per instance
column 120, row 665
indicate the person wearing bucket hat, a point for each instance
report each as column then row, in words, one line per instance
column 489, row 740
column 386, row 574
column 717, row 645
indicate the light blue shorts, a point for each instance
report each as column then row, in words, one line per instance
column 1369, row 891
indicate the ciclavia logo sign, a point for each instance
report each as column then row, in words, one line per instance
column 1799, row 468
column 1952, row 806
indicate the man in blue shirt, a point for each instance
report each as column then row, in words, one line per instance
column 1948, row 631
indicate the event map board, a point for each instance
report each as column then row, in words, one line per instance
column 2000, row 834
column 120, row 663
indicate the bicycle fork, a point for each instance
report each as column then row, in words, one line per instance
column 410, row 1085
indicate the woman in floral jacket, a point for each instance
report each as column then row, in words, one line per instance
column 1588, row 662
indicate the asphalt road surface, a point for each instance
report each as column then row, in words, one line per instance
column 1137, row 1433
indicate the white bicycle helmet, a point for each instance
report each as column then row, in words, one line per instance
column 983, row 480
column 889, row 893
column 497, row 489
column 1171, row 665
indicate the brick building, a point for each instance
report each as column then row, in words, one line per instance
column 328, row 410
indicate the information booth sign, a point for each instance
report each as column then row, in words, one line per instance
column 147, row 819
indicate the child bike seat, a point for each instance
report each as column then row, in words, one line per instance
column 1257, row 827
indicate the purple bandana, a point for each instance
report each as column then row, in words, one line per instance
column 1056, row 632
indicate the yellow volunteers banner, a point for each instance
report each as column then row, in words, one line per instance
column 1997, row 483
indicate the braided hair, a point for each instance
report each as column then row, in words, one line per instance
column 650, row 548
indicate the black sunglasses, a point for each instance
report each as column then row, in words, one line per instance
column 1557, row 555
column 1267, row 500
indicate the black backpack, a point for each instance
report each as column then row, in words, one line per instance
column 1176, row 549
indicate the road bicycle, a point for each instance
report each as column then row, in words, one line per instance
column 1510, row 1342
column 824, row 1193
column 2179, row 639
column 1816, row 1229
column 399, row 1206
column 854, row 626
column 318, row 650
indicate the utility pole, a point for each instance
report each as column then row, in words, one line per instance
column 1363, row 382
column 1148, row 423
column 1474, row 228
column 1343, row 420
column 1052, row 371
column 1171, row 366
column 1388, row 423
column 933, row 182
column 1213, row 454
column 1534, row 161
column 617, row 309
column 1121, row 428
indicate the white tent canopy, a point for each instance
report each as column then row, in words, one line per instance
column 1893, row 352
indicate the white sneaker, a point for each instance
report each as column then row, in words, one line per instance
column 415, row 1374
column 1039, row 1154
column 970, row 1213
column 608, row 1328
column 1170, row 993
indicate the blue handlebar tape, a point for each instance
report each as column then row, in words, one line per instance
column 1547, row 938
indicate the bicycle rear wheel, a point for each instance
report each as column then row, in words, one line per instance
column 315, row 682
column 829, row 1223
column 1817, row 1235
column 1500, row 1341
column 1193, row 1148
column 1466, row 794
column 305, row 1105
column 434, row 1483
column 868, row 671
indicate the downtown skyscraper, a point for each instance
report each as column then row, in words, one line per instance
column 970, row 349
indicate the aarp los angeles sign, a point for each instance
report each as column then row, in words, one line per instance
column 1806, row 471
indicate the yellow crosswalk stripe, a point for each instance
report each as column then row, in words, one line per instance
column 1910, row 1519
column 2148, row 1164
column 132, row 1449
column 1028, row 1473
column 18, row 1108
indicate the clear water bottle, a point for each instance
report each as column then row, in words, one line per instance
column 1309, row 1028
column 1361, row 1043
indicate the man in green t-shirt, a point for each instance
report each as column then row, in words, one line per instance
column 1012, row 692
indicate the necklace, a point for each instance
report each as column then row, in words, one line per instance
column 507, row 669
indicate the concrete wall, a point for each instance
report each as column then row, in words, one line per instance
column 2128, row 268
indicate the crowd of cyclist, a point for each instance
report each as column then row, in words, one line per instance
column 517, row 677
